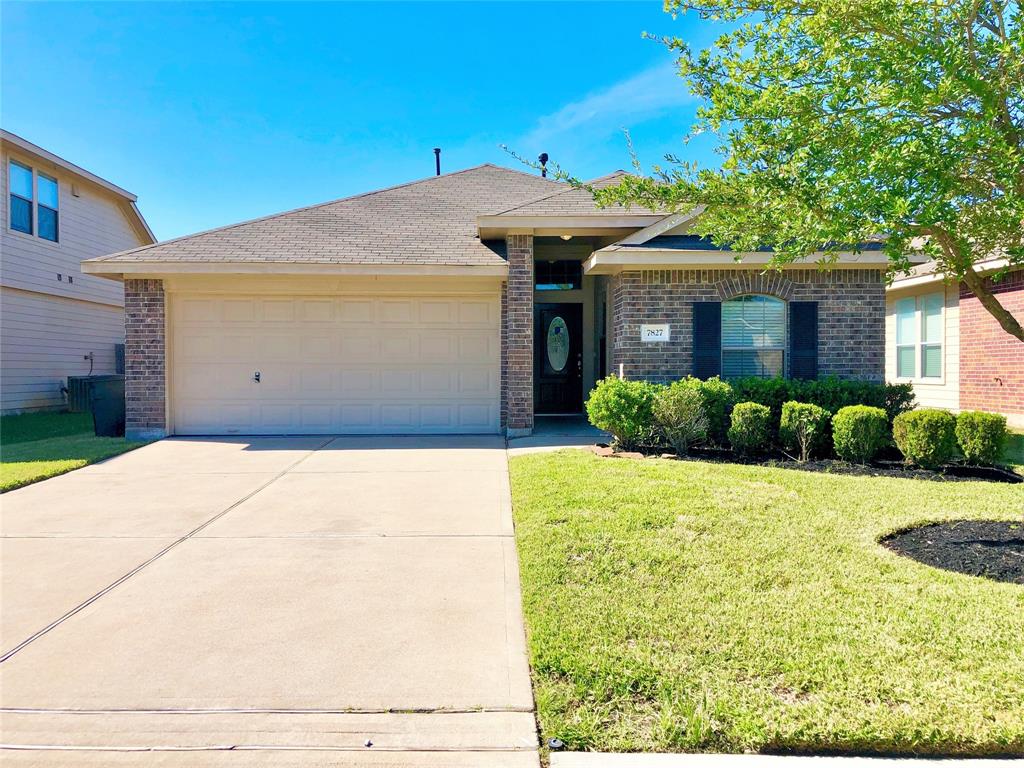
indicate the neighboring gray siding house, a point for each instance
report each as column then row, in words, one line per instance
column 54, row 321
column 466, row 303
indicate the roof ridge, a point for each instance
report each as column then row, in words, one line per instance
column 609, row 176
column 516, row 170
column 565, row 188
column 300, row 209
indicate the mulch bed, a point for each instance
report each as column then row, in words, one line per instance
column 882, row 467
column 994, row 550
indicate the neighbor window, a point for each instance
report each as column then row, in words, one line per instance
column 20, row 185
column 48, row 204
column 919, row 330
column 563, row 275
column 753, row 337
column 35, row 202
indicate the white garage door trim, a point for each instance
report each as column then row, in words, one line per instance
column 347, row 363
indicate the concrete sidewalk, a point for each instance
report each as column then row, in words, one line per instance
column 282, row 599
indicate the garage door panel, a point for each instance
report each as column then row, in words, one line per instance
column 474, row 347
column 395, row 311
column 339, row 364
column 477, row 312
column 358, row 347
column 278, row 311
column 238, row 310
column 358, row 383
column 438, row 349
column 440, row 311
column 398, row 349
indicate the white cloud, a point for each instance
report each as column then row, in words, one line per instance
column 605, row 112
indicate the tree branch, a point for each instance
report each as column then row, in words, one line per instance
column 964, row 266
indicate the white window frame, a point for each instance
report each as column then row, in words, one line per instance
column 783, row 348
column 919, row 344
column 38, row 203
column 34, row 235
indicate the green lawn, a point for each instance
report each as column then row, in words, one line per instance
column 1013, row 452
column 687, row 606
column 35, row 446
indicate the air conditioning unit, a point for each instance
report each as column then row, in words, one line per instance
column 79, row 388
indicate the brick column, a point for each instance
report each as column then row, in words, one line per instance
column 517, row 338
column 144, row 359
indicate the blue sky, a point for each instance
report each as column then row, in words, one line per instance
column 216, row 113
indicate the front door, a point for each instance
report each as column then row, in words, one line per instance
column 558, row 358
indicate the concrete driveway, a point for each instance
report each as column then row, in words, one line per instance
column 267, row 601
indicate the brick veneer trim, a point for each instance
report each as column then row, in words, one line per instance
column 851, row 316
column 517, row 337
column 145, row 359
column 991, row 360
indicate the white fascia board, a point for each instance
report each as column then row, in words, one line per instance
column 657, row 228
column 32, row 149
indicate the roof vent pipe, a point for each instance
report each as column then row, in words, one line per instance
column 543, row 157
column 437, row 161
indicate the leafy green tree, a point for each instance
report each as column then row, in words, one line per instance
column 845, row 121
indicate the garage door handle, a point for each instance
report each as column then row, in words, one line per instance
column 256, row 377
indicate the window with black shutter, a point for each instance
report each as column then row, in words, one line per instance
column 803, row 339
column 707, row 339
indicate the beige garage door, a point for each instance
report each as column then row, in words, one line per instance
column 334, row 364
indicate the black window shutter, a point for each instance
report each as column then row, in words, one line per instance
column 803, row 339
column 707, row 339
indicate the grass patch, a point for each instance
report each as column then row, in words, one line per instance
column 683, row 606
column 26, row 427
column 35, row 446
column 1013, row 451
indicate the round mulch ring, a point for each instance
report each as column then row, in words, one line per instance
column 986, row 548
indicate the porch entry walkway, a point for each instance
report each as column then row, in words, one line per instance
column 272, row 601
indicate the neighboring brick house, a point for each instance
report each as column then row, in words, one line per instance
column 942, row 340
column 464, row 303
column 57, row 322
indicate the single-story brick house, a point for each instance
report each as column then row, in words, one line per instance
column 942, row 340
column 464, row 303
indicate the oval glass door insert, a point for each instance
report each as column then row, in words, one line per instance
column 558, row 344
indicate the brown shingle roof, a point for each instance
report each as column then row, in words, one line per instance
column 432, row 221
column 571, row 201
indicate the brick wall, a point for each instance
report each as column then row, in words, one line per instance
column 851, row 316
column 517, row 337
column 991, row 360
column 144, row 358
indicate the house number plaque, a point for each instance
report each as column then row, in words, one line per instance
column 649, row 334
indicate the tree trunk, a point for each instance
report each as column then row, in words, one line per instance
column 1008, row 322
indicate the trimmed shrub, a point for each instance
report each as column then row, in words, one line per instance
column 859, row 432
column 718, row 402
column 623, row 408
column 899, row 398
column 804, row 428
column 751, row 429
column 680, row 416
column 981, row 436
column 925, row 437
column 829, row 393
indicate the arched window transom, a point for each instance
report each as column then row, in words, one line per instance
column 753, row 337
